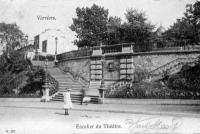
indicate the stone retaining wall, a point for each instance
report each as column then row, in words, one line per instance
column 142, row 62
column 79, row 66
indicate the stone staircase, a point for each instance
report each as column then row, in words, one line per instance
column 65, row 80
column 169, row 68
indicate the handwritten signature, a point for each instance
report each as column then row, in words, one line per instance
column 152, row 124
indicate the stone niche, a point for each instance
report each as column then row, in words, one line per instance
column 111, row 69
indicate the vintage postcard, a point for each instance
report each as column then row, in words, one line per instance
column 99, row 66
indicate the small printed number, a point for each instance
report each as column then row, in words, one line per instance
column 10, row 131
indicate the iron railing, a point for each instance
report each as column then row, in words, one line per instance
column 74, row 54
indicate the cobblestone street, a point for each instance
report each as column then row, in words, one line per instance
column 36, row 117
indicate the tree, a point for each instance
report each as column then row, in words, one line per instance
column 137, row 29
column 113, row 35
column 12, row 35
column 186, row 31
column 193, row 16
column 181, row 33
column 12, row 61
column 90, row 25
column 93, row 26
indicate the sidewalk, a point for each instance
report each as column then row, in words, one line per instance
column 150, row 109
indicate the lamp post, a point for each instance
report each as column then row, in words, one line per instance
column 26, row 46
column 45, row 96
column 7, row 42
column 55, row 59
column 1, row 40
column 102, row 86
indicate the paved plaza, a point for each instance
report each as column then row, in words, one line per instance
column 32, row 117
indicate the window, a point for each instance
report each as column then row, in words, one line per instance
column 44, row 46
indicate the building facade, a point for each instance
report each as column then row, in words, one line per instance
column 50, row 42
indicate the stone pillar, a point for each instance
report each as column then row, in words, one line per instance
column 101, row 92
column 47, row 98
column 43, row 95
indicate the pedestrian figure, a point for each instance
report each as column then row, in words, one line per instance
column 67, row 101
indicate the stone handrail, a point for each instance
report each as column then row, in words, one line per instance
column 121, row 82
column 169, row 67
column 157, row 72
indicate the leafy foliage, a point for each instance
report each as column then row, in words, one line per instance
column 90, row 25
column 34, row 83
column 187, row 79
column 183, row 85
column 93, row 26
column 185, row 31
column 13, row 65
column 12, row 35
column 155, row 90
column 137, row 27
column 13, row 71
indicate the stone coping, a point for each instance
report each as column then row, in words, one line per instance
column 150, row 53
column 136, row 54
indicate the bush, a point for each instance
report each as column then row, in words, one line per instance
column 187, row 79
column 183, row 85
column 32, row 88
column 155, row 90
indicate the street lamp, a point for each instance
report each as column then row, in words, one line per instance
column 6, row 40
column 26, row 47
column 102, row 86
column 26, row 37
column 45, row 96
column 55, row 59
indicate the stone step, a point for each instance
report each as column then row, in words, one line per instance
column 72, row 93
column 74, row 90
column 62, row 79
column 65, row 81
column 72, row 98
column 69, row 83
column 61, row 76
column 62, row 100
column 71, row 87
column 75, row 98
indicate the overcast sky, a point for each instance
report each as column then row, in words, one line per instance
column 25, row 12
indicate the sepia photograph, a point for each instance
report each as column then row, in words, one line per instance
column 99, row 66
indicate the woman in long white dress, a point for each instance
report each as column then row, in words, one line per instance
column 67, row 101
